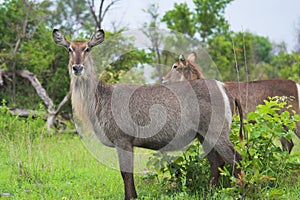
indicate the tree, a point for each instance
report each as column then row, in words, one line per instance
column 180, row 19
column 72, row 16
column 151, row 30
column 102, row 11
column 117, row 56
column 287, row 65
column 207, row 20
column 165, row 46
column 20, row 20
column 245, row 56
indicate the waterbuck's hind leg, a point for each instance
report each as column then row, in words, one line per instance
column 286, row 145
column 125, row 155
column 226, row 150
column 216, row 162
column 214, row 159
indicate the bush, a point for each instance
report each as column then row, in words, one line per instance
column 187, row 172
column 264, row 164
column 12, row 127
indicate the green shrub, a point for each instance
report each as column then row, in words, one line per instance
column 187, row 172
column 264, row 165
column 13, row 126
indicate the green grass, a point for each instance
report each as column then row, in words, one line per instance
column 35, row 164
column 55, row 167
column 60, row 167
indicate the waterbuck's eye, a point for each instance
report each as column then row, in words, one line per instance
column 87, row 49
column 174, row 66
column 70, row 50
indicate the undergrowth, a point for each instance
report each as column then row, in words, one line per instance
column 268, row 172
column 36, row 164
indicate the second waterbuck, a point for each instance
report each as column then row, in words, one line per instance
column 249, row 94
column 160, row 117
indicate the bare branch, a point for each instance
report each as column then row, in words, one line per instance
column 1, row 75
column 52, row 114
column 100, row 12
column 107, row 8
column 93, row 12
column 63, row 102
column 38, row 88
column 23, row 112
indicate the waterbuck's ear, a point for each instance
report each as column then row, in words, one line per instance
column 192, row 57
column 182, row 59
column 96, row 39
column 60, row 39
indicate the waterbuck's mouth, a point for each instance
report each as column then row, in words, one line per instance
column 163, row 80
column 77, row 70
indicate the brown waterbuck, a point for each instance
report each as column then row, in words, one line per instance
column 250, row 94
column 159, row 117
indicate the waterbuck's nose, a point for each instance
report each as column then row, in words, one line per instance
column 77, row 69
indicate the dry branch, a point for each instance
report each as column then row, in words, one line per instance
column 38, row 88
column 52, row 113
column 23, row 112
column 1, row 75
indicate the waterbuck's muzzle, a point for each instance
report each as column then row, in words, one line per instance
column 77, row 69
column 164, row 80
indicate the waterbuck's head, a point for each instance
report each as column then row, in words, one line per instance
column 183, row 69
column 78, row 50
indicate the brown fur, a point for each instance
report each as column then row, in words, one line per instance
column 180, row 112
column 184, row 69
column 250, row 94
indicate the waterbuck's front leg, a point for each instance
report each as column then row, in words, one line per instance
column 125, row 155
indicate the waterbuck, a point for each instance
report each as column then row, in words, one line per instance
column 249, row 94
column 159, row 117
column 184, row 69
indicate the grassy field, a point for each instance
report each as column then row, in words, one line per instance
column 35, row 164
column 60, row 167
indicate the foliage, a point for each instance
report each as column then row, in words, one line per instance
column 264, row 165
column 19, row 20
column 115, row 57
column 72, row 16
column 243, row 55
column 180, row 19
column 207, row 20
column 36, row 51
column 210, row 19
column 12, row 126
column 287, row 66
column 152, row 31
column 47, row 61
column 181, row 172
column 35, row 164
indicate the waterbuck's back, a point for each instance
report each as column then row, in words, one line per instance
column 253, row 93
column 152, row 116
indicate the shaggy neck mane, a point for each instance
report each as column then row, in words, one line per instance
column 86, row 93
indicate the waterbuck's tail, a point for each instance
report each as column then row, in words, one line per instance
column 238, row 105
